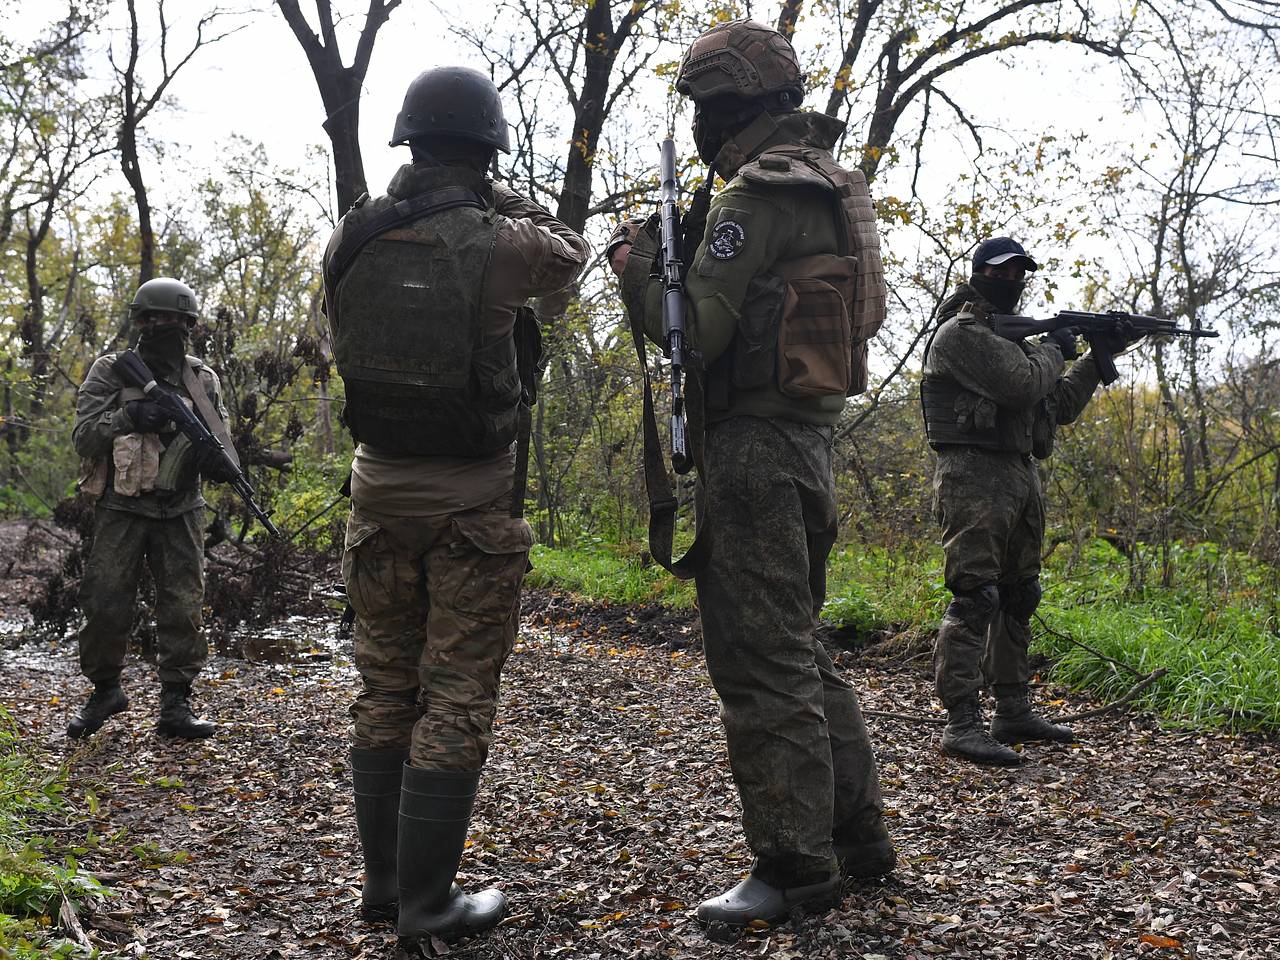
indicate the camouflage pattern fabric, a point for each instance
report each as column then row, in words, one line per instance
column 437, row 607
column 798, row 748
column 991, row 510
column 173, row 550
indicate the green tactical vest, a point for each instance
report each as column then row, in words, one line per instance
column 954, row 416
column 407, row 336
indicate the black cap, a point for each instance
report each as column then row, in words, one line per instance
column 998, row 250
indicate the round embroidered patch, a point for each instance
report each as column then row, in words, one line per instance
column 727, row 240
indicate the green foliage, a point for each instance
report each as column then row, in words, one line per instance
column 35, row 877
column 1214, row 630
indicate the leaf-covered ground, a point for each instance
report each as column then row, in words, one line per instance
column 607, row 813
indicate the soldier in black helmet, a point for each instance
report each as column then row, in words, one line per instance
column 425, row 290
column 145, row 479
column 786, row 287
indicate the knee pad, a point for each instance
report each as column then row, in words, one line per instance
column 1019, row 600
column 975, row 608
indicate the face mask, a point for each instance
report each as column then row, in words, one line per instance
column 164, row 347
column 706, row 136
column 1000, row 292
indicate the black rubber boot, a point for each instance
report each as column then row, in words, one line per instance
column 105, row 702
column 757, row 898
column 964, row 736
column 863, row 847
column 375, row 777
column 1016, row 722
column 176, row 718
column 435, row 812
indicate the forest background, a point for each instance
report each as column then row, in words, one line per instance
column 1131, row 146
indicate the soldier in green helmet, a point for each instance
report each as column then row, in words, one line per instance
column 425, row 290
column 785, row 288
column 145, row 478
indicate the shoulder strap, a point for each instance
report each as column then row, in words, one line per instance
column 658, row 486
column 208, row 413
column 413, row 208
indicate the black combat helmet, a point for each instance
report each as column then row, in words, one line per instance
column 453, row 102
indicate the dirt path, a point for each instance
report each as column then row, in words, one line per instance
column 606, row 813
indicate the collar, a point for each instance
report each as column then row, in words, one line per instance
column 804, row 128
column 414, row 179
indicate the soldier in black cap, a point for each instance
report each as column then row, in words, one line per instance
column 991, row 409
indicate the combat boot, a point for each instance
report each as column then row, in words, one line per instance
column 375, row 777
column 435, row 813
column 176, row 718
column 106, row 701
column 964, row 736
column 863, row 847
column 1016, row 722
column 768, row 898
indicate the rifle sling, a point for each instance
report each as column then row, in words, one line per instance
column 405, row 211
column 657, row 484
column 204, row 407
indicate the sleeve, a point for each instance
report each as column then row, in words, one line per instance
column 746, row 233
column 1010, row 374
column 1072, row 392
column 554, row 254
column 100, row 417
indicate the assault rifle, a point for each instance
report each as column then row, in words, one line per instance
column 673, row 305
column 131, row 368
column 1096, row 329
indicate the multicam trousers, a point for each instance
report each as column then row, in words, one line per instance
column 173, row 549
column 798, row 748
column 991, row 510
column 437, row 606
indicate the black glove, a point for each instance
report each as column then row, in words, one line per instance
column 147, row 415
column 1065, row 341
column 1120, row 339
column 213, row 466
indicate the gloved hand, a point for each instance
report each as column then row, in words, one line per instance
column 212, row 466
column 618, row 249
column 147, row 415
column 1065, row 341
column 1120, row 339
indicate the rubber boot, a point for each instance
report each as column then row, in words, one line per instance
column 1016, row 722
column 375, row 778
column 863, row 847
column 964, row 736
column 758, row 899
column 106, row 701
column 176, row 718
column 435, row 812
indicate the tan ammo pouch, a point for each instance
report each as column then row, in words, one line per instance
column 815, row 340
column 94, row 472
column 136, row 459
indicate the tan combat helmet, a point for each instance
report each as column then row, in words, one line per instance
column 743, row 58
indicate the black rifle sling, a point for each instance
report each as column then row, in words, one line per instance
column 528, row 334
column 413, row 208
column 657, row 484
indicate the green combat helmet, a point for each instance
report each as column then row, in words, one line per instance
column 453, row 102
column 164, row 293
column 741, row 58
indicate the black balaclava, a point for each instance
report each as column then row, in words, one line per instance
column 163, row 349
column 1001, row 292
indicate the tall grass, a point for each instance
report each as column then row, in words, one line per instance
column 1213, row 630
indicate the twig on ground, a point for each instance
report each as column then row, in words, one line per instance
column 1124, row 701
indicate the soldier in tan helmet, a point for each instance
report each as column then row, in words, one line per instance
column 785, row 288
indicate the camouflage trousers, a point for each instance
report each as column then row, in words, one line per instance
column 798, row 748
column 437, row 603
column 173, row 550
column 991, row 510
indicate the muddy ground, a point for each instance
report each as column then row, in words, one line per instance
column 607, row 812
